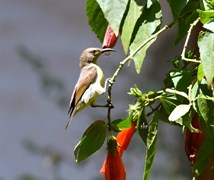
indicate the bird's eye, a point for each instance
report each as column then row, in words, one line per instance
column 94, row 52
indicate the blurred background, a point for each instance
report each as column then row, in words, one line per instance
column 41, row 41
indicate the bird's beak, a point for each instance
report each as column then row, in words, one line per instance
column 106, row 50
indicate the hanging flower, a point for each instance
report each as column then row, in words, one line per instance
column 113, row 160
column 124, row 138
column 193, row 141
column 113, row 167
column 110, row 38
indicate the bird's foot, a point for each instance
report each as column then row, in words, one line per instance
column 105, row 105
column 107, row 81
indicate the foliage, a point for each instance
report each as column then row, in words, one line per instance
column 91, row 141
column 188, row 88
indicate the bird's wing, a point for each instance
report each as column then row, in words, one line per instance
column 87, row 76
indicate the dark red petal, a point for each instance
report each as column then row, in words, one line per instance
column 193, row 141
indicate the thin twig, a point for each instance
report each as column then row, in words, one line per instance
column 122, row 63
column 130, row 57
column 153, row 109
column 186, row 44
column 110, row 106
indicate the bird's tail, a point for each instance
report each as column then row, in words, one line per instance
column 69, row 121
column 71, row 112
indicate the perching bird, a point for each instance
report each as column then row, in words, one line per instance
column 90, row 83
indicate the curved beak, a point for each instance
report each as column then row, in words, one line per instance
column 107, row 50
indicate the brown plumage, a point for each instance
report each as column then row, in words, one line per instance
column 90, row 83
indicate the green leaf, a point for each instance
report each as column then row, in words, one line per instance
column 179, row 111
column 182, row 7
column 149, row 3
column 200, row 73
column 206, row 49
column 205, row 154
column 186, row 121
column 180, row 93
column 201, row 105
column 191, row 6
column 148, row 24
column 96, row 18
column 184, row 25
column 135, row 91
column 113, row 12
column 204, row 107
column 194, row 94
column 207, row 4
column 151, row 145
column 91, row 141
column 120, row 124
column 177, row 6
column 169, row 102
column 142, row 126
column 209, row 26
column 134, row 11
column 181, row 79
column 206, row 16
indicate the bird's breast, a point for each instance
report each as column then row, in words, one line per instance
column 96, row 88
column 100, row 75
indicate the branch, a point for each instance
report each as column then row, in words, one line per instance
column 186, row 43
column 122, row 63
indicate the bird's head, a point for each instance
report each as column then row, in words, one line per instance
column 90, row 55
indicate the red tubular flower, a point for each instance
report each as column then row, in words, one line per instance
column 193, row 141
column 124, row 138
column 113, row 160
column 113, row 167
column 110, row 38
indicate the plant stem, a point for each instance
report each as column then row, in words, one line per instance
column 186, row 43
column 122, row 63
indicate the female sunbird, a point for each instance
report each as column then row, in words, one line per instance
column 90, row 83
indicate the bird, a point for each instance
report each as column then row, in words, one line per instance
column 90, row 83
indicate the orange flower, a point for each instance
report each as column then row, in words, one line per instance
column 110, row 38
column 124, row 138
column 113, row 167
